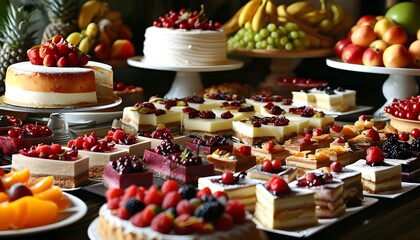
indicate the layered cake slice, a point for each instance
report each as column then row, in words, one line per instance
column 271, row 168
column 342, row 153
column 239, row 109
column 377, row 175
column 238, row 187
column 308, row 161
column 69, row 169
column 239, row 160
column 178, row 104
column 269, row 150
column 161, row 133
column 328, row 193
column 259, row 101
column 145, row 117
column 128, row 142
column 301, row 143
column 206, row 123
column 317, row 119
column 337, row 100
column 168, row 160
column 279, row 207
column 207, row 145
column 126, row 171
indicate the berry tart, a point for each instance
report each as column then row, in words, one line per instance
column 235, row 185
column 377, row 175
column 270, row 168
column 168, row 160
column 173, row 212
column 126, row 171
column 68, row 167
column 328, row 193
column 206, row 145
column 99, row 151
column 239, row 160
column 280, row 207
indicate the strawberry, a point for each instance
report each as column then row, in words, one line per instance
column 224, row 223
column 169, row 185
column 141, row 192
column 372, row 134
column 162, row 223
column 129, row 192
column 44, row 150
column 114, row 203
column 122, row 213
column 185, row 207
column 153, row 196
column 267, row 145
column 278, row 185
column 244, row 150
column 118, row 135
column 237, row 210
column 56, row 148
column 171, row 199
column 374, row 155
column 203, row 192
column 113, row 193
column 145, row 217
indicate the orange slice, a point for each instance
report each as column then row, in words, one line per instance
column 13, row 177
column 42, row 185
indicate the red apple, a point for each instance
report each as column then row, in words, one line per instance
column 396, row 56
column 340, row 45
column 372, row 57
column 101, row 51
column 414, row 51
column 122, row 49
column 363, row 36
column 395, row 35
column 367, row 20
column 352, row 53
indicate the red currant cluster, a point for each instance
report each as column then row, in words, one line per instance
column 53, row 151
column 91, row 143
column 29, row 130
column 57, row 52
column 407, row 108
column 185, row 19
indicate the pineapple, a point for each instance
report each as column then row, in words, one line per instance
column 62, row 15
column 15, row 39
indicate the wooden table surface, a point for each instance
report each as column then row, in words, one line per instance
column 397, row 218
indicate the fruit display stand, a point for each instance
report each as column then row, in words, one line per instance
column 401, row 82
column 283, row 62
column 187, row 79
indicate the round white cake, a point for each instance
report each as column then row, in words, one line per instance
column 181, row 47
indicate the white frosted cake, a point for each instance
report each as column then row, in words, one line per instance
column 184, row 47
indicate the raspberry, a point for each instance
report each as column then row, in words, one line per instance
column 209, row 211
column 145, row 217
column 224, row 223
column 188, row 191
column 162, row 223
column 113, row 193
column 185, row 207
column 133, row 206
column 43, row 150
column 374, row 155
column 237, row 210
column 114, row 203
column 203, row 192
column 153, row 196
column 169, row 185
column 171, row 199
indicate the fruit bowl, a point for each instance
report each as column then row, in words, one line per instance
column 12, row 122
column 10, row 146
column 403, row 125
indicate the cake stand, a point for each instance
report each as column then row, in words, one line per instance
column 187, row 79
column 283, row 62
column 401, row 82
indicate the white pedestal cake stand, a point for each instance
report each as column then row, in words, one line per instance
column 283, row 62
column 401, row 82
column 187, row 80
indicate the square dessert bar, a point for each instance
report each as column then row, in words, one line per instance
column 288, row 173
column 308, row 161
column 225, row 161
column 98, row 160
column 136, row 148
column 410, row 168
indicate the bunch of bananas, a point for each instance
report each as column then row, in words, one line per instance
column 97, row 22
column 258, row 13
column 330, row 19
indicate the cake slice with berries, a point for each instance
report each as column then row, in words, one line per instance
column 307, row 161
column 206, row 145
column 169, row 161
column 328, row 193
column 128, row 142
column 159, row 134
column 280, row 207
column 173, row 211
column 334, row 100
column 301, row 143
column 259, row 101
column 206, row 123
column 238, row 109
column 68, row 167
column 342, row 153
column 236, row 186
column 239, row 160
column 377, row 175
column 269, row 150
column 317, row 119
column 270, row 168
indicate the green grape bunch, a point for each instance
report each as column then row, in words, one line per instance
column 286, row 37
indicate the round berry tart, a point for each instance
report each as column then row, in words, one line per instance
column 173, row 211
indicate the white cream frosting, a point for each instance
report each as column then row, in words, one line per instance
column 182, row 47
column 375, row 173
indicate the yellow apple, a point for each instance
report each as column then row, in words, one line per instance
column 379, row 44
column 396, row 56
column 363, row 36
column 382, row 25
column 414, row 51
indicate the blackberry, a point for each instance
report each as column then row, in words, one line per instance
column 188, row 191
column 209, row 211
column 392, row 148
column 133, row 206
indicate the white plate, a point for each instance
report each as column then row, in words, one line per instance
column 355, row 110
column 322, row 223
column 405, row 187
column 92, row 231
column 98, row 117
column 72, row 214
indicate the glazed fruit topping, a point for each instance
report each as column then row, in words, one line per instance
column 306, row 111
column 57, row 52
column 275, row 121
column 128, row 164
column 265, row 98
column 238, row 105
column 213, row 141
column 374, row 156
column 148, row 108
column 167, row 147
column 193, row 99
column 29, row 130
column 226, row 115
column 118, row 136
column 186, row 19
column 372, row 134
column 207, row 114
column 243, row 150
column 6, row 120
column 53, row 151
column 314, row 179
column 161, row 132
column 90, row 143
column 229, row 178
column 278, row 186
column 336, row 128
column 274, row 109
